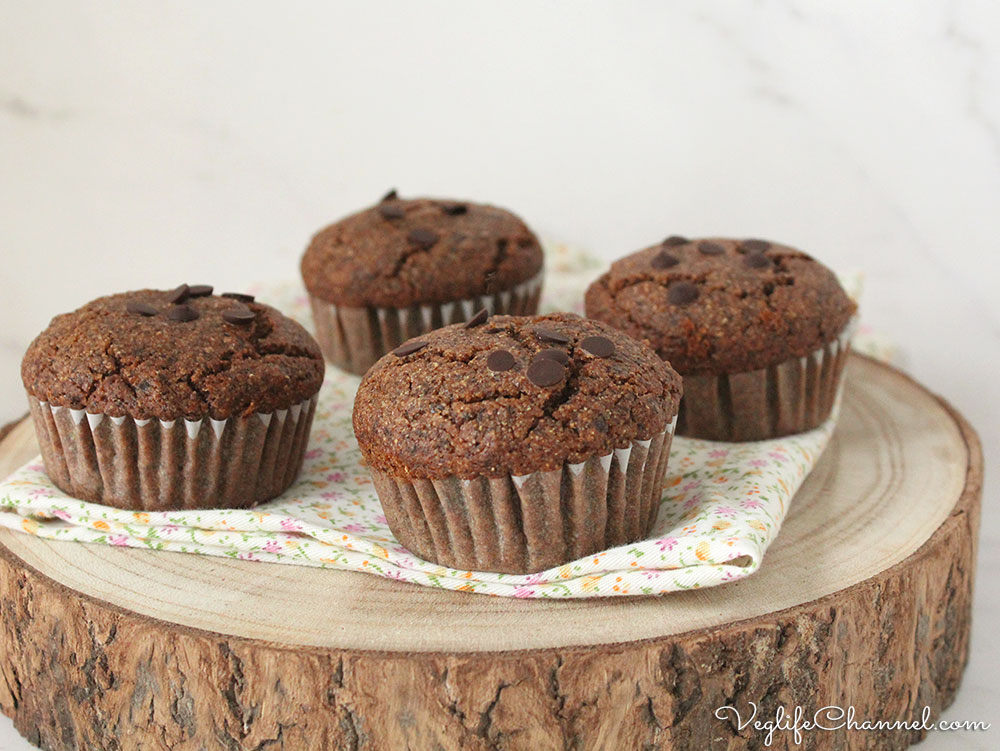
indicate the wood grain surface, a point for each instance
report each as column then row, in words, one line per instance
column 864, row 599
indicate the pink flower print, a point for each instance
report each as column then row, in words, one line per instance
column 271, row 546
column 61, row 514
column 534, row 579
column 314, row 454
column 356, row 528
column 380, row 519
column 718, row 453
column 751, row 503
column 291, row 525
column 757, row 462
column 170, row 528
column 691, row 502
column 336, row 477
column 689, row 486
column 666, row 544
column 247, row 557
column 331, row 495
column 120, row 540
column 524, row 592
column 726, row 511
column 777, row 456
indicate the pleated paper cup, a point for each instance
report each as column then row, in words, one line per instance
column 791, row 397
column 156, row 465
column 354, row 338
column 521, row 524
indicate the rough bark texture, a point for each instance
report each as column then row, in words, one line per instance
column 81, row 674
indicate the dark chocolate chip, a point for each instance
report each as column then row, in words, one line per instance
column 181, row 313
column 390, row 196
column 663, row 260
column 754, row 246
column 682, row 293
column 675, row 240
column 179, row 295
column 553, row 354
column 478, row 319
column 454, row 209
column 756, row 260
column 548, row 335
column 238, row 296
column 601, row 424
column 143, row 309
column 200, row 290
column 499, row 361
column 495, row 330
column 409, row 348
column 598, row 346
column 391, row 211
column 545, row 372
column 425, row 238
column 711, row 249
column 238, row 314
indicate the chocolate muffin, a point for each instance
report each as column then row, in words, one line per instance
column 191, row 400
column 759, row 331
column 405, row 267
column 516, row 444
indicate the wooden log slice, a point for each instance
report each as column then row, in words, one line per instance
column 863, row 600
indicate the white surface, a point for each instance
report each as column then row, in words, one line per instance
column 159, row 143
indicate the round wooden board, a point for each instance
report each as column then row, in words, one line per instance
column 863, row 600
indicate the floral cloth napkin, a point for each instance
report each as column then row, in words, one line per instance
column 722, row 507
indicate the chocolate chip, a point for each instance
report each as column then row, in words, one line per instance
column 454, row 209
column 601, row 424
column 179, row 295
column 143, row 309
column 711, row 249
column 598, row 346
column 181, row 313
column 238, row 296
column 238, row 314
column 499, row 361
column 756, row 260
column 663, row 260
column 391, row 211
column 545, row 372
column 409, row 348
column 478, row 319
column 682, row 293
column 754, row 246
column 675, row 240
column 200, row 290
column 553, row 354
column 548, row 335
column 390, row 196
column 425, row 238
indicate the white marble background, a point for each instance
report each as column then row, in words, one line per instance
column 150, row 143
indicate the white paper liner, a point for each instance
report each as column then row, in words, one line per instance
column 354, row 338
column 155, row 464
column 791, row 397
column 521, row 524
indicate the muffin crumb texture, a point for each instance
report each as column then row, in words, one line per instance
column 172, row 354
column 511, row 396
column 401, row 252
column 722, row 306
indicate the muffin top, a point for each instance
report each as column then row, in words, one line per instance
column 722, row 306
column 172, row 354
column 511, row 395
column 406, row 252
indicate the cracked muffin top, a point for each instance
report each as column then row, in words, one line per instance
column 407, row 252
column 172, row 354
column 508, row 395
column 722, row 306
